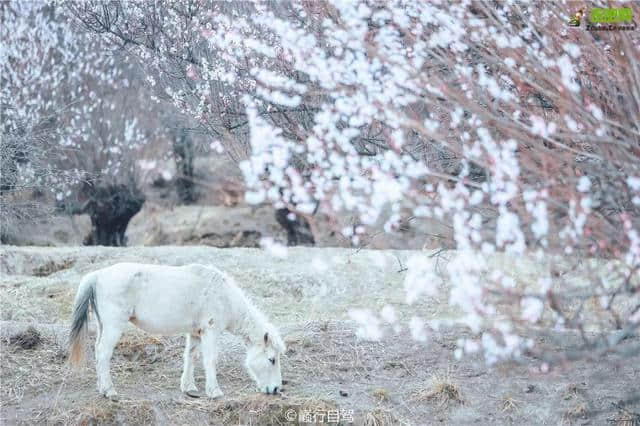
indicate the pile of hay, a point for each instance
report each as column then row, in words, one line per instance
column 28, row 339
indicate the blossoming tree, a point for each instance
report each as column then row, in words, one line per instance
column 518, row 130
column 68, row 125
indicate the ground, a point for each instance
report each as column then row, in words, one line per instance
column 328, row 371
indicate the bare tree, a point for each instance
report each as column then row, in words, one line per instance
column 25, row 151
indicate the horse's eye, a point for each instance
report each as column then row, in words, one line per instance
column 272, row 361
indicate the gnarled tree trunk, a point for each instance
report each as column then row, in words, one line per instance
column 110, row 208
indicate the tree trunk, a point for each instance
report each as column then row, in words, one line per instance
column 111, row 208
column 297, row 227
column 183, row 150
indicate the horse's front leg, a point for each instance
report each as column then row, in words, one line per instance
column 209, row 359
column 192, row 344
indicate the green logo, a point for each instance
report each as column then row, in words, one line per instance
column 610, row 15
column 605, row 19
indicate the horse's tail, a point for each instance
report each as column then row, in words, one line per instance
column 85, row 296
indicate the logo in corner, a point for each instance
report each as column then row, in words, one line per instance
column 576, row 19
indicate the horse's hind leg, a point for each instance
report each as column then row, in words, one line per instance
column 95, row 354
column 108, row 338
column 192, row 344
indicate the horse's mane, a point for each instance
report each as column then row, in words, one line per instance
column 253, row 323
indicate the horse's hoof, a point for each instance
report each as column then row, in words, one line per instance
column 193, row 393
column 217, row 393
column 111, row 396
column 188, row 388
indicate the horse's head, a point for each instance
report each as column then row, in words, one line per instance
column 263, row 362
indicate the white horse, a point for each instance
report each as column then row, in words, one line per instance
column 197, row 300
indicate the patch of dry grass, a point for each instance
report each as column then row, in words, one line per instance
column 381, row 394
column 141, row 347
column 380, row 417
column 443, row 390
column 626, row 418
column 509, row 403
column 572, row 391
column 100, row 411
column 28, row 339
column 577, row 411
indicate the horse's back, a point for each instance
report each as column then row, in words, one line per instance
column 159, row 299
column 128, row 270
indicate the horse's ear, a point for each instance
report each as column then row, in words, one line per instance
column 266, row 338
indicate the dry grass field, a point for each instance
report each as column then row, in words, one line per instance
column 331, row 375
